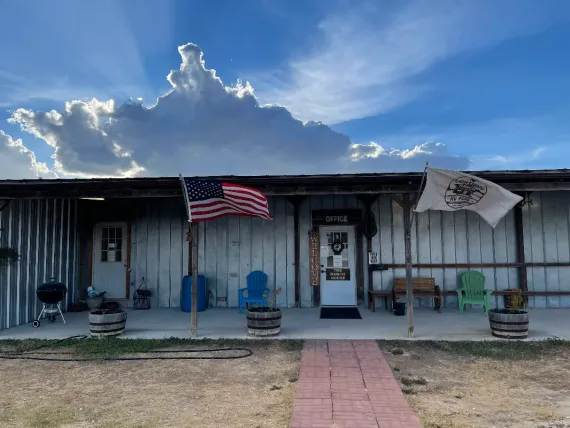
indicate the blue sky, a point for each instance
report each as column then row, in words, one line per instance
column 476, row 84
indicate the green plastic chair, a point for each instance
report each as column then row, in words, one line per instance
column 473, row 291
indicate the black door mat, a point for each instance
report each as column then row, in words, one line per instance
column 350, row 313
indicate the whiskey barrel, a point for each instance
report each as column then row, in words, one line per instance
column 508, row 324
column 107, row 322
column 263, row 322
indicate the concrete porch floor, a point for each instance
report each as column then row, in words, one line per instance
column 304, row 324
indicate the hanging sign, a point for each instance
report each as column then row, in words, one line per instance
column 338, row 274
column 314, row 259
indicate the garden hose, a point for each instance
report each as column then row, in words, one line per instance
column 31, row 354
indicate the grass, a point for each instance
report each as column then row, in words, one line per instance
column 497, row 350
column 257, row 391
column 484, row 384
column 113, row 347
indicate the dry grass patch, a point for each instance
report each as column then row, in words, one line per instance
column 257, row 391
column 491, row 384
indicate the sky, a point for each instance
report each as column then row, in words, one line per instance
column 118, row 88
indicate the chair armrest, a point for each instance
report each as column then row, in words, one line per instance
column 459, row 291
column 241, row 290
column 489, row 292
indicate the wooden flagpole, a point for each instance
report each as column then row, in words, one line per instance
column 408, row 222
column 193, row 231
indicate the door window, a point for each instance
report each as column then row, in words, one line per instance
column 111, row 244
column 337, row 243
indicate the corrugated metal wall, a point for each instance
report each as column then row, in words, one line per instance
column 232, row 247
column 44, row 233
column 228, row 250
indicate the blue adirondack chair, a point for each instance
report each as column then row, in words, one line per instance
column 256, row 288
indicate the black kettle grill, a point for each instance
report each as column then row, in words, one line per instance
column 50, row 294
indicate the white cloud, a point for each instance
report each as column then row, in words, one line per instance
column 17, row 161
column 367, row 54
column 201, row 127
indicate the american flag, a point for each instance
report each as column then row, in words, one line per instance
column 208, row 200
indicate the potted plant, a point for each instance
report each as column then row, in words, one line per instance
column 8, row 255
column 511, row 322
column 264, row 321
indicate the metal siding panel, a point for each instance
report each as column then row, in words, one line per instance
column 461, row 241
column 449, row 249
column 256, row 244
column 164, row 255
column 562, row 216
column 268, row 246
column 424, row 251
column 185, row 246
column 500, row 256
column 290, row 239
column 3, row 271
column 32, row 260
column 537, row 245
column 435, row 242
column 211, row 260
column 244, row 250
column 13, row 226
column 399, row 254
column 73, row 271
column 280, row 246
column 222, row 265
column 376, row 247
column 306, row 298
column 385, row 242
column 142, row 247
column 512, row 248
column 177, row 242
column 488, row 254
column 152, row 255
column 551, row 237
column 21, row 280
column 234, row 272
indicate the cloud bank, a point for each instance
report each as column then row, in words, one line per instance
column 202, row 127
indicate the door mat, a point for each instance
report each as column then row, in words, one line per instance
column 350, row 313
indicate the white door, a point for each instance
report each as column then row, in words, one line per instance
column 109, row 259
column 338, row 275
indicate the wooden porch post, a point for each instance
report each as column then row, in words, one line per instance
column 408, row 257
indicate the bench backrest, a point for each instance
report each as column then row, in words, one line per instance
column 473, row 284
column 418, row 284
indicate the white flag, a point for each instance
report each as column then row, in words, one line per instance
column 452, row 190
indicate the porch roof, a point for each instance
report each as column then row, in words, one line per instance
column 521, row 180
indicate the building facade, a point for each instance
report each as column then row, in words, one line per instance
column 118, row 235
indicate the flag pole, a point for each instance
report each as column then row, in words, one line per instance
column 408, row 222
column 193, row 230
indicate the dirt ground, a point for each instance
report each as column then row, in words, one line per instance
column 252, row 392
column 492, row 384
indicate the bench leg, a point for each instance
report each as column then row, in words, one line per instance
column 373, row 304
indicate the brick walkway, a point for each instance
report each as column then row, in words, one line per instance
column 348, row 383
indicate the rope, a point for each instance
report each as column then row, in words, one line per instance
column 25, row 355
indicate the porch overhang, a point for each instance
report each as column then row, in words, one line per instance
column 169, row 187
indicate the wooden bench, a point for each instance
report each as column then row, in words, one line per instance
column 422, row 288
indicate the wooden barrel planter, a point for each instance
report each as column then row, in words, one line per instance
column 508, row 323
column 107, row 322
column 263, row 322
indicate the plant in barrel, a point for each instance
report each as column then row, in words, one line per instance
column 265, row 320
column 511, row 322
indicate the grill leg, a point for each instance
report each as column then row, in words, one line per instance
column 42, row 312
column 61, row 313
